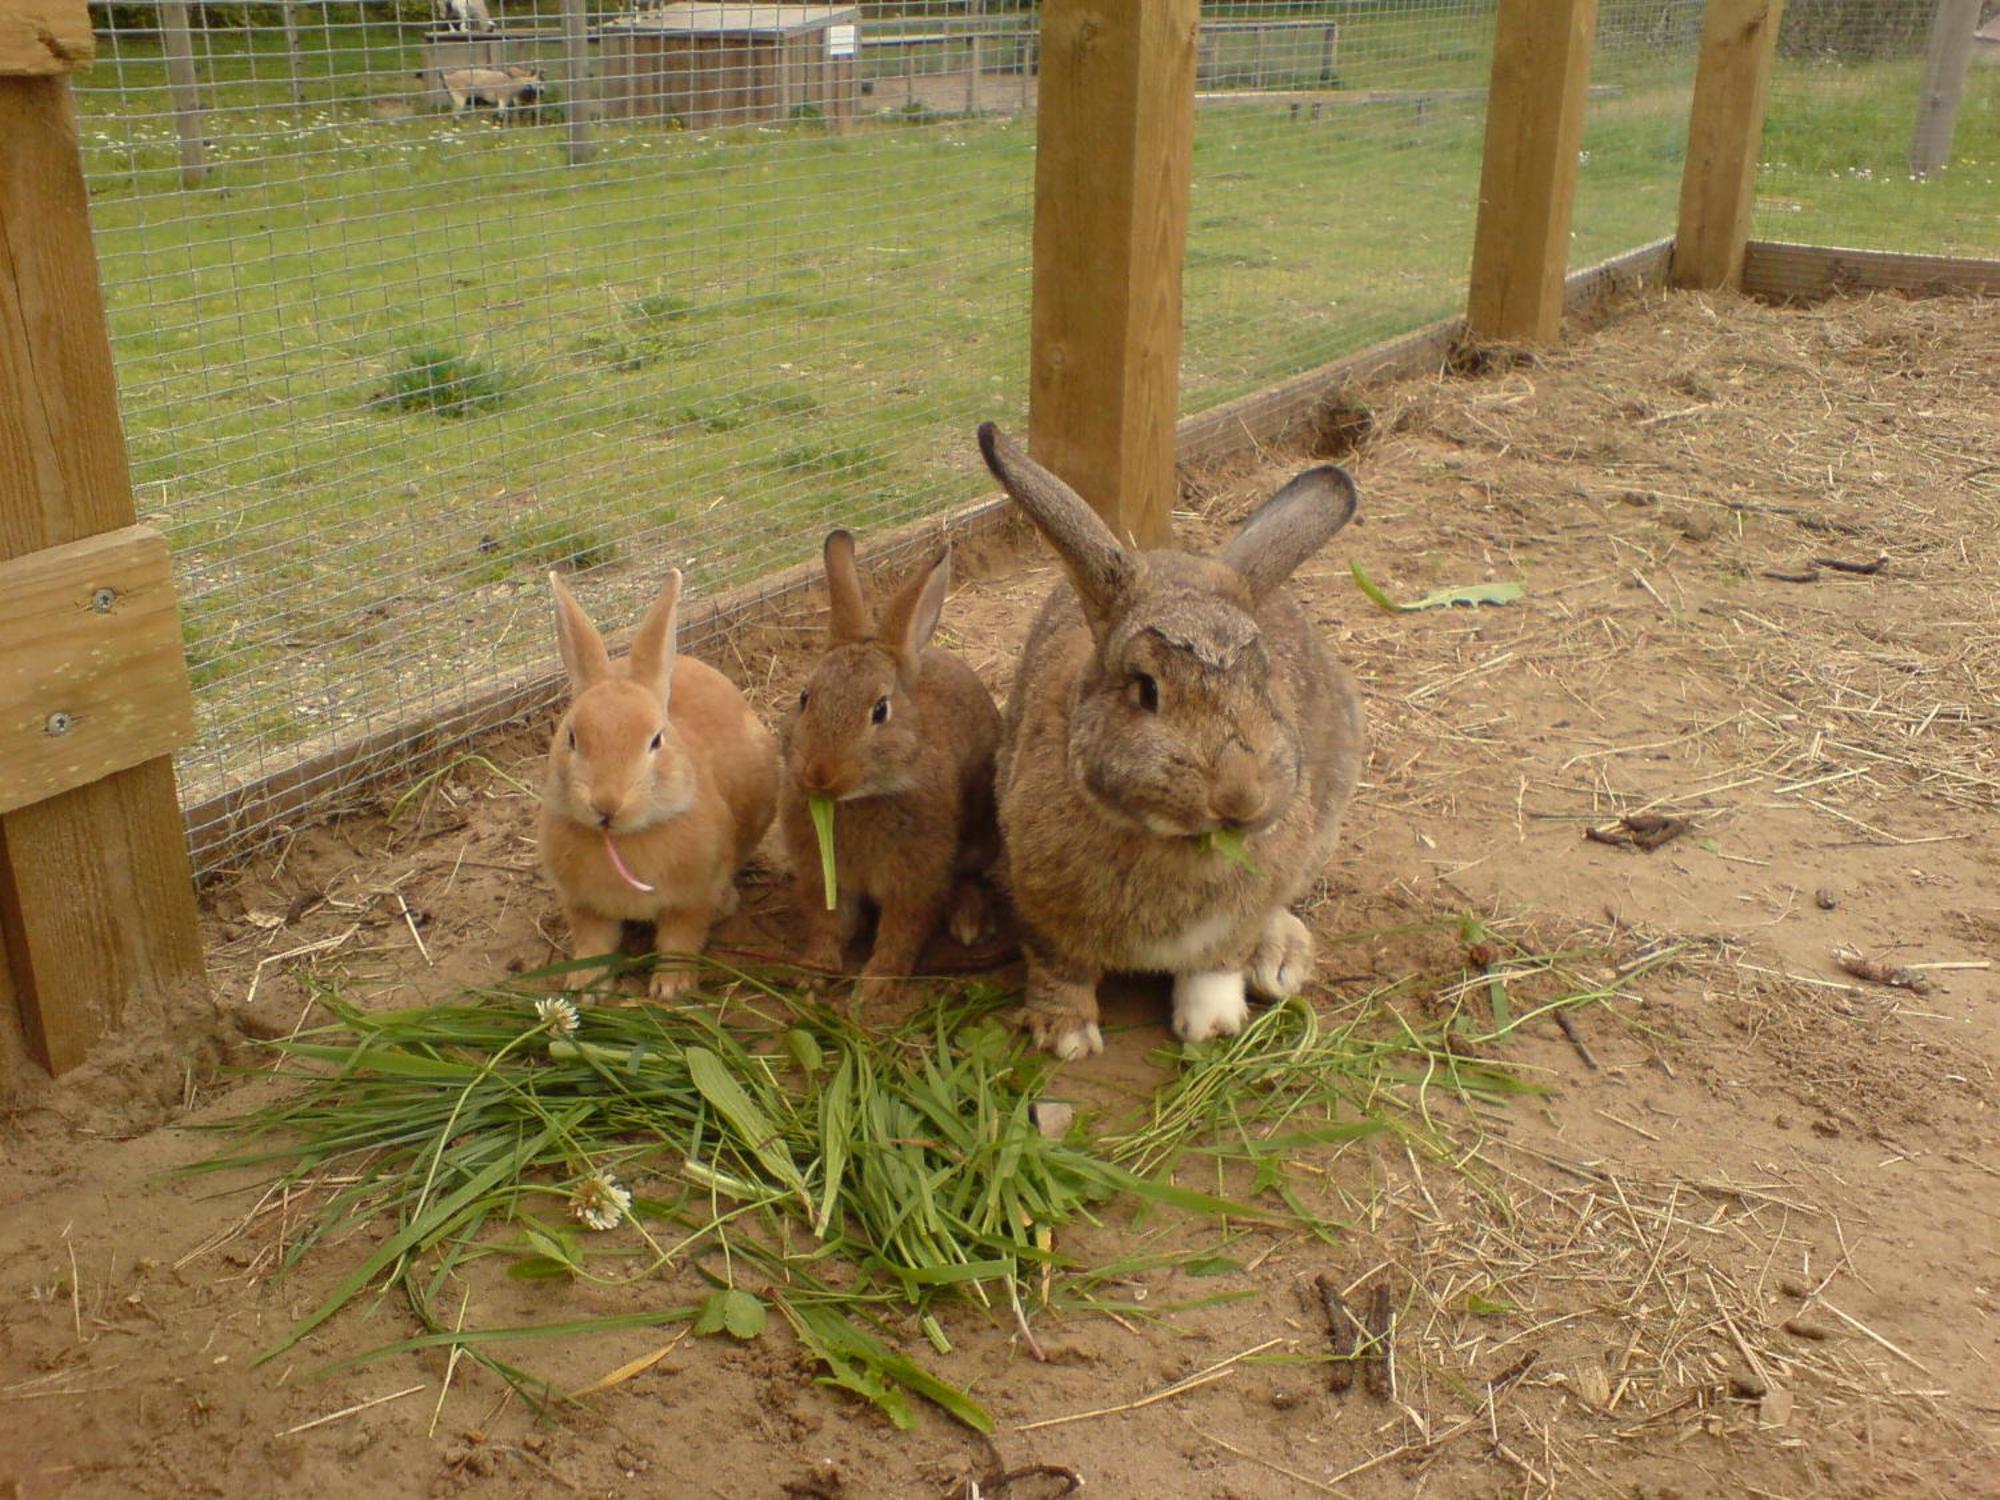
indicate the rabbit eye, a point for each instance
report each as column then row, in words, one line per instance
column 658, row 740
column 879, row 714
column 804, row 694
column 572, row 739
column 1145, row 692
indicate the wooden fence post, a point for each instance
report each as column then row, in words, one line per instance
column 96, row 895
column 1944, row 82
column 1732, row 82
column 288, row 13
column 1114, row 149
column 578, row 96
column 178, row 43
column 1527, row 179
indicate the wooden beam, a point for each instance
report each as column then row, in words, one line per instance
column 1944, row 84
column 1732, row 82
column 44, row 38
column 96, row 896
column 177, row 41
column 1780, row 272
column 1114, row 147
column 1527, row 180
column 93, row 675
column 579, row 93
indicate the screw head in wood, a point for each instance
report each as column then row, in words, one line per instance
column 103, row 599
column 58, row 723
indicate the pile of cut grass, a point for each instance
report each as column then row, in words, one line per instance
column 855, row 1181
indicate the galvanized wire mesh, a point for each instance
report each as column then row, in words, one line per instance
column 1846, row 95
column 410, row 307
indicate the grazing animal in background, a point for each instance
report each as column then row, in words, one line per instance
column 502, row 89
column 661, row 781
column 1177, row 752
column 467, row 16
column 900, row 734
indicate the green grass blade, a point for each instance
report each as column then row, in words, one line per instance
column 821, row 809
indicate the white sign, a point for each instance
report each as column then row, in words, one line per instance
column 841, row 41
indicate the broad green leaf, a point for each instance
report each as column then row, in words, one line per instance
column 1232, row 846
column 1471, row 593
column 805, row 1050
column 731, row 1310
column 752, row 1127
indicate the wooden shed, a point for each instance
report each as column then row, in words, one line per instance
column 709, row 65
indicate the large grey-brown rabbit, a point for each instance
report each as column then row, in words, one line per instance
column 1160, row 698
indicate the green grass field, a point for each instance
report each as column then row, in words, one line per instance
column 380, row 371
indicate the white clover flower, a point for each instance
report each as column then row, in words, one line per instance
column 558, row 1014
column 598, row 1202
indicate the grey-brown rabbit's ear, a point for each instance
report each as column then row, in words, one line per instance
column 1101, row 569
column 583, row 653
column 1291, row 526
column 850, row 618
column 910, row 619
column 657, row 640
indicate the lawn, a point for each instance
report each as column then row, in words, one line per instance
column 384, row 369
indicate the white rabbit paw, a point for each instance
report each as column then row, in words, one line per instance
column 1283, row 961
column 1209, row 1005
column 1082, row 1041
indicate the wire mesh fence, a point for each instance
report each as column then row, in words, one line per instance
column 412, row 305
column 1847, row 103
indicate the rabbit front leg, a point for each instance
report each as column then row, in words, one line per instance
column 1060, row 1007
column 827, row 932
column 679, row 936
column 591, row 936
column 1209, row 1004
column 900, row 934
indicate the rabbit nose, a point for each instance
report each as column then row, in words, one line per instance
column 1238, row 795
column 606, row 809
column 816, row 777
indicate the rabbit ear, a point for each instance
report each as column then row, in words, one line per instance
column 583, row 653
column 657, row 639
column 1291, row 526
column 1101, row 569
column 910, row 619
column 851, row 619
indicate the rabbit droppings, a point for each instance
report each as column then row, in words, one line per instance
column 1160, row 699
column 661, row 781
column 900, row 734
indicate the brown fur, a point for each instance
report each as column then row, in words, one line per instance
column 913, row 818
column 685, row 815
column 1107, row 782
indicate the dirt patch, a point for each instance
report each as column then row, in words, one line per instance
column 1743, row 1240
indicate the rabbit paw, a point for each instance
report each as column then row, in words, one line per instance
column 1283, row 961
column 1066, row 1042
column 671, row 980
column 879, row 992
column 1209, row 1005
column 968, row 920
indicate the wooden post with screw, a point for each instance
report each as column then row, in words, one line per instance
column 1527, row 179
column 1952, row 28
column 97, row 902
column 1732, row 83
column 1113, row 159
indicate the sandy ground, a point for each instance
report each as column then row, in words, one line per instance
column 1745, row 1242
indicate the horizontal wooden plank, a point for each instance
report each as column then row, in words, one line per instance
column 92, row 674
column 228, row 820
column 1780, row 272
column 43, row 37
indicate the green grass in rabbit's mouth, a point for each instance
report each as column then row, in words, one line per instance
column 1231, row 844
column 821, row 809
column 750, row 1151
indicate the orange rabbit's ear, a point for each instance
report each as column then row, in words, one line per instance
column 911, row 618
column 583, row 654
column 657, row 641
column 850, row 618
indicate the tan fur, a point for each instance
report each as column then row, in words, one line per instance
column 913, row 823
column 1104, row 801
column 685, row 816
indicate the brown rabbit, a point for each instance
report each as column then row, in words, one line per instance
column 660, row 783
column 901, row 735
column 1161, row 698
